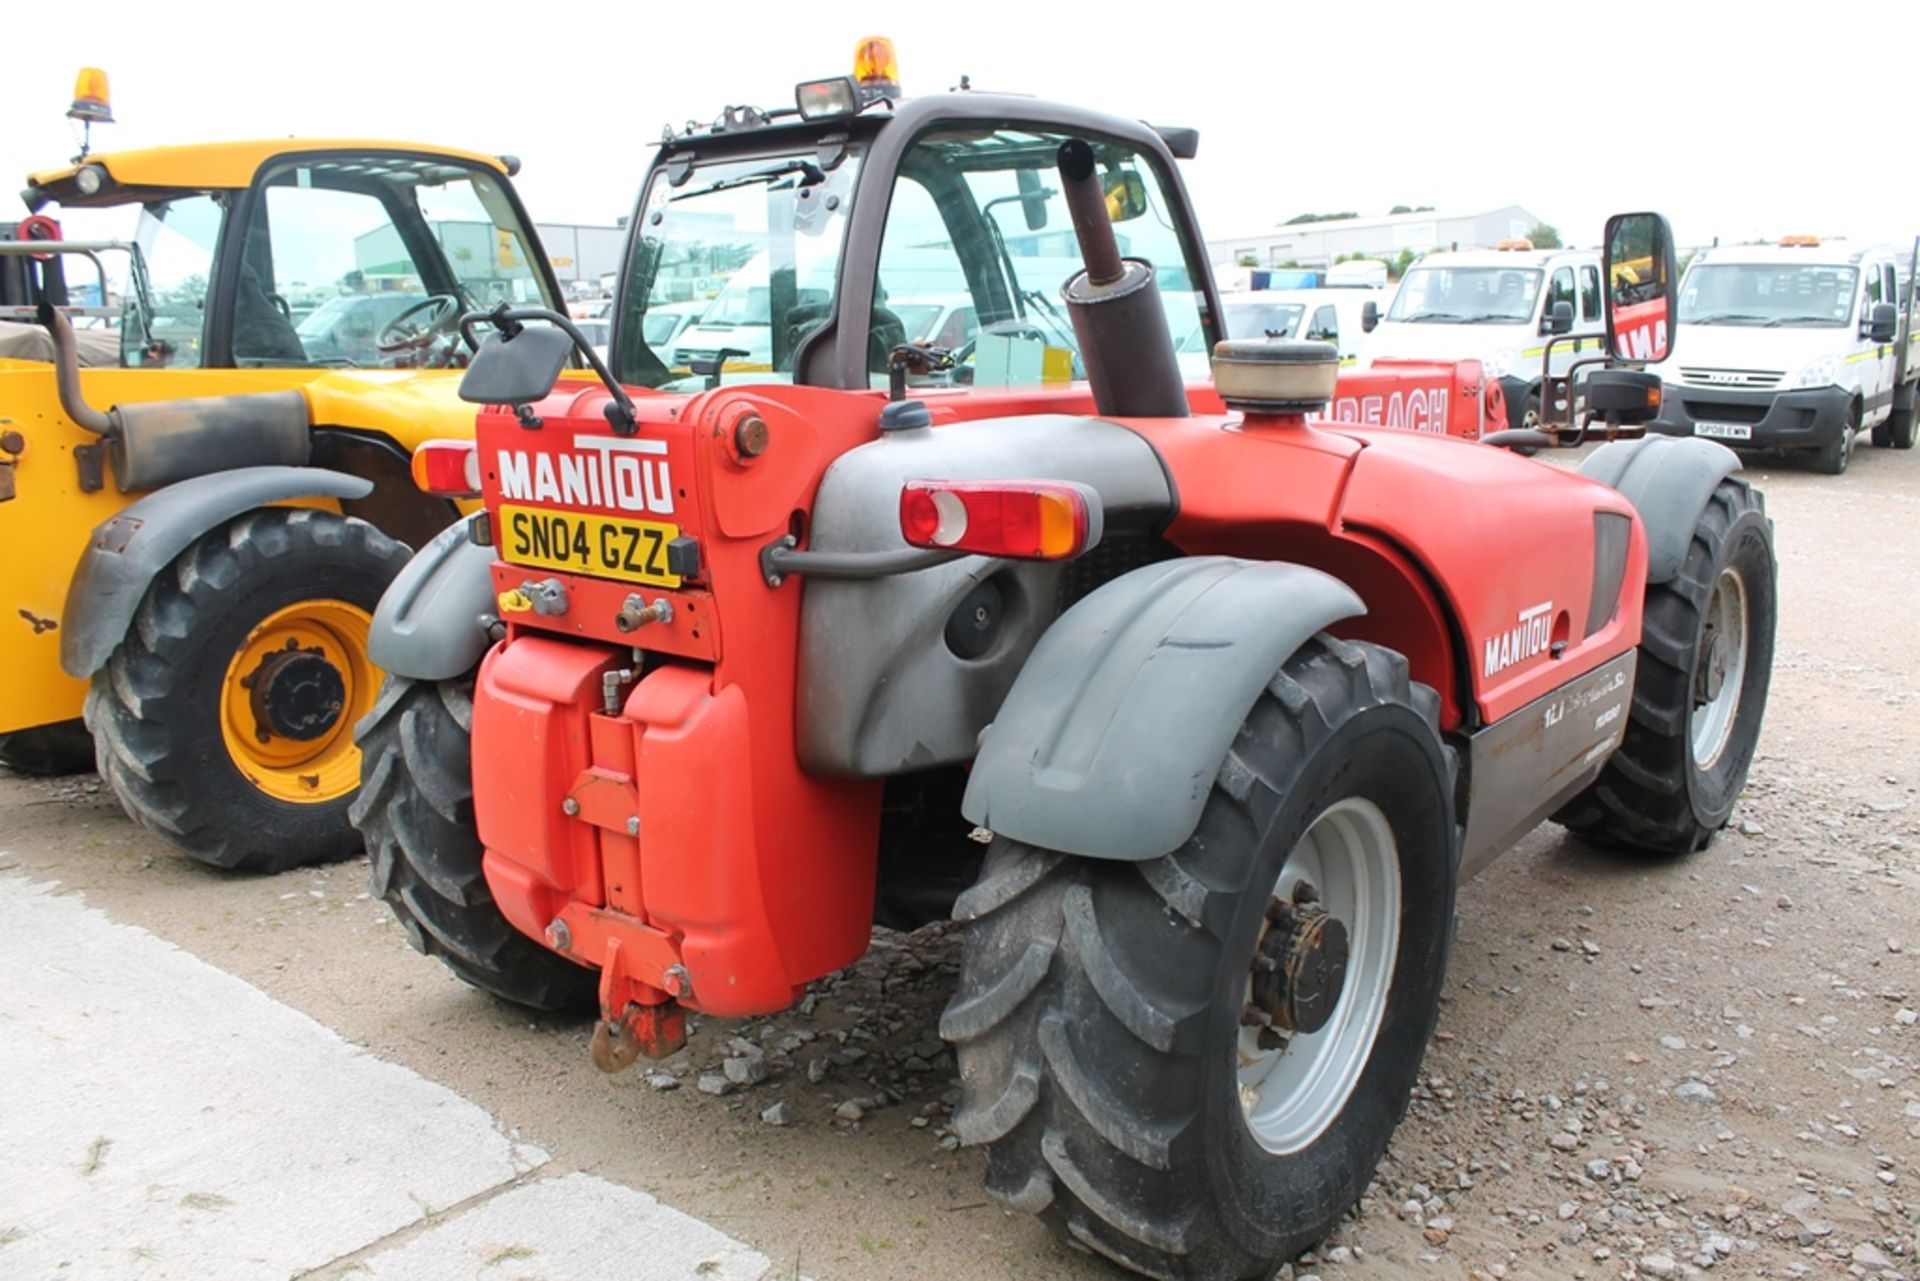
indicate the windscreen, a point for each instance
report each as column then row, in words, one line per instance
column 1466, row 295
column 753, row 246
column 1767, row 295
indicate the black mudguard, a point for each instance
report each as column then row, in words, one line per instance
column 137, row 542
column 432, row 623
column 1114, row 731
column 1668, row 480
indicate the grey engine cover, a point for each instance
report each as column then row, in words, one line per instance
column 881, row 693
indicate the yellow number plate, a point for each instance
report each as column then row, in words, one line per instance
column 634, row 551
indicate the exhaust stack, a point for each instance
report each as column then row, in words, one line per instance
column 1117, row 316
column 158, row 443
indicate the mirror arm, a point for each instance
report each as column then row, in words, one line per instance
column 509, row 321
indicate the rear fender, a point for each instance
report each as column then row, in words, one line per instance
column 1114, row 731
column 432, row 623
column 126, row 550
column 1668, row 480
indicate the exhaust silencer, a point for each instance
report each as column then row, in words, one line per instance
column 1117, row 316
column 158, row 443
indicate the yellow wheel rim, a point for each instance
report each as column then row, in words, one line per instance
column 291, row 696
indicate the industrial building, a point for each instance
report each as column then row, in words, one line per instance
column 1320, row 244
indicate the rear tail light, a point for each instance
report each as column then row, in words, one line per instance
column 1020, row 519
column 447, row 468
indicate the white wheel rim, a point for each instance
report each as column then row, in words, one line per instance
column 1290, row 1095
column 1721, row 669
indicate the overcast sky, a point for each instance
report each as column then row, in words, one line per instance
column 1788, row 119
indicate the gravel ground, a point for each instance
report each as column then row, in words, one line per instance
column 1644, row 1067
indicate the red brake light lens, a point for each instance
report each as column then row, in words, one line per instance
column 447, row 468
column 1020, row 520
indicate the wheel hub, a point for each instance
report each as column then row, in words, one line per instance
column 295, row 693
column 1713, row 675
column 1299, row 966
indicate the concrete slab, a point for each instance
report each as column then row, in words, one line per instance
column 578, row 1226
column 159, row 1118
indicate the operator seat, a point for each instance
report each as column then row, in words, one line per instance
column 262, row 333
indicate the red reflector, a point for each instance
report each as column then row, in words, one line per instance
column 447, row 468
column 1021, row 520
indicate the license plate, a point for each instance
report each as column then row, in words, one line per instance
column 633, row 551
column 1724, row 431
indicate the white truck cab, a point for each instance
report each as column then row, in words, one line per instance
column 1343, row 317
column 1498, row 306
column 1797, row 346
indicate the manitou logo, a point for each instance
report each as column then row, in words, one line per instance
column 612, row 473
column 1422, row 409
column 1530, row 636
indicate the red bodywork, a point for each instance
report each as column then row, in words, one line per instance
column 679, row 841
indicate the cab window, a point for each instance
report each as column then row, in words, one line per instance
column 1590, row 293
column 369, row 262
column 1560, row 289
column 177, row 240
column 1325, row 326
column 745, row 256
column 977, row 219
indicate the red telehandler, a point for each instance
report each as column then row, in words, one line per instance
column 1193, row 707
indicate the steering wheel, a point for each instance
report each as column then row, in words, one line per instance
column 397, row 335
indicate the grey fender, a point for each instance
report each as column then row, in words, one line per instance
column 1668, row 479
column 1114, row 731
column 431, row 625
column 127, row 549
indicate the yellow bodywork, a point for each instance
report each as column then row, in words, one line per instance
column 45, row 527
column 209, row 166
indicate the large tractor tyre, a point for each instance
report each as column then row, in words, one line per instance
column 1123, row 1029
column 1700, row 691
column 63, row 747
column 224, row 720
column 1831, row 459
column 415, row 810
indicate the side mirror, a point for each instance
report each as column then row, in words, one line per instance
column 1126, row 193
column 1883, row 322
column 516, row 369
column 1642, row 281
column 1369, row 316
column 1559, row 318
column 1033, row 198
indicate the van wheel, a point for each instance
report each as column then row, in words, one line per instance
column 1699, row 693
column 1899, row 430
column 1192, row 1065
column 225, row 717
column 1831, row 459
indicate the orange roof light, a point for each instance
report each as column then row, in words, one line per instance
column 90, row 101
column 1799, row 242
column 1521, row 243
column 874, row 63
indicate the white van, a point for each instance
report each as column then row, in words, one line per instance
column 1793, row 346
column 1497, row 306
column 1343, row 317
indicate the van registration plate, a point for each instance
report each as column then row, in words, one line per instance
column 1724, row 431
